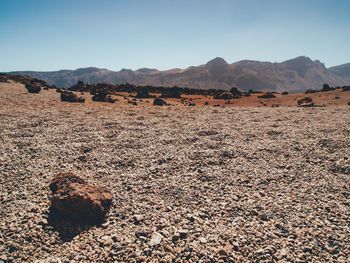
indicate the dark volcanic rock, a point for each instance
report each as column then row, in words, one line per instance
column 71, row 97
column 33, row 88
column 142, row 93
column 158, row 102
column 68, row 96
column 173, row 92
column 73, row 199
column 103, row 97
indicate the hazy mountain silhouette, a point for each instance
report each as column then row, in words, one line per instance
column 295, row 75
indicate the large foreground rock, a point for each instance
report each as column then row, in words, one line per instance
column 74, row 199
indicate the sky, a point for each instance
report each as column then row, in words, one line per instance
column 48, row 35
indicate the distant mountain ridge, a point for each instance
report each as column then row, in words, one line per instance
column 294, row 75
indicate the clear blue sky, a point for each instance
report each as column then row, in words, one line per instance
column 68, row 34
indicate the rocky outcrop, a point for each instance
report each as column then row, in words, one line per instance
column 72, row 198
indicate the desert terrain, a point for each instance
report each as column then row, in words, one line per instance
column 246, row 182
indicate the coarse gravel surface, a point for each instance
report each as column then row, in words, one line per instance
column 189, row 184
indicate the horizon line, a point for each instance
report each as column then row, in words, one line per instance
column 139, row 68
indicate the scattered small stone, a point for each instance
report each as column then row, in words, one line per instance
column 141, row 259
column 155, row 239
column 176, row 237
column 107, row 241
column 183, row 233
column 203, row 240
column 138, row 219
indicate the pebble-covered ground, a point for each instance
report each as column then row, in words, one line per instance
column 190, row 184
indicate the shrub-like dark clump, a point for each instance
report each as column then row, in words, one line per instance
column 267, row 95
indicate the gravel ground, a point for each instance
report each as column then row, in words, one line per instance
column 190, row 184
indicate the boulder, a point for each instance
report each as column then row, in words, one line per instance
column 103, row 97
column 158, row 102
column 284, row 93
column 70, row 97
column 100, row 96
column 33, row 88
column 73, row 199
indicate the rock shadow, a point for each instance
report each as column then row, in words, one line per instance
column 69, row 227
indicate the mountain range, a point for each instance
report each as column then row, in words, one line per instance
column 294, row 75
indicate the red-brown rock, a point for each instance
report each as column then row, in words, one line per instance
column 75, row 199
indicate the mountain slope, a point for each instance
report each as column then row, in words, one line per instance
column 295, row 75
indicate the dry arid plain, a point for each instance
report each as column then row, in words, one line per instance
column 189, row 184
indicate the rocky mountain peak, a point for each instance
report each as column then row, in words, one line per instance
column 216, row 62
column 217, row 66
